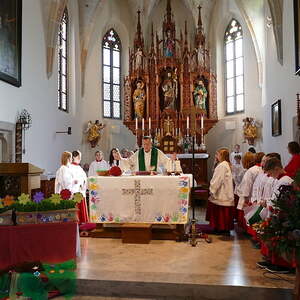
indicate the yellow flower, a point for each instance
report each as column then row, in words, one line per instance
column 24, row 199
column 77, row 197
column 184, row 190
column 55, row 198
column 93, row 186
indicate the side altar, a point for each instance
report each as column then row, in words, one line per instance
column 170, row 91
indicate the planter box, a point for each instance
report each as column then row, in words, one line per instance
column 5, row 218
column 51, row 216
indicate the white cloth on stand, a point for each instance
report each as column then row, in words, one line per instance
column 63, row 179
column 97, row 165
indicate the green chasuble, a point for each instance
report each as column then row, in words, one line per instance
column 154, row 155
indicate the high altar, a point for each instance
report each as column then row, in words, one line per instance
column 170, row 92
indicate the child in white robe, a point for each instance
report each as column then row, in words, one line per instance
column 98, row 164
column 220, row 210
column 79, row 186
column 64, row 177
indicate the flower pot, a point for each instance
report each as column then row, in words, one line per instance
column 5, row 218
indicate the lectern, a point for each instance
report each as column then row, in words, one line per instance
column 17, row 178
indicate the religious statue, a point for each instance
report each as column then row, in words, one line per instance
column 200, row 95
column 94, row 132
column 170, row 90
column 168, row 126
column 139, row 98
column 169, row 44
column 250, row 130
column 138, row 58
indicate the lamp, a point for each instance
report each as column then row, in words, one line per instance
column 69, row 131
column 24, row 122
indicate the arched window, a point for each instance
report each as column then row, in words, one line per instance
column 62, row 43
column 234, row 68
column 111, row 75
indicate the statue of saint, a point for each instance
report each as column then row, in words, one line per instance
column 139, row 98
column 94, row 132
column 138, row 58
column 200, row 95
column 170, row 90
column 250, row 130
column 169, row 44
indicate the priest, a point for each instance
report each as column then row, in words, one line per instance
column 149, row 158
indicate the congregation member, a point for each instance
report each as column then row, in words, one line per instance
column 79, row 185
column 235, row 152
column 294, row 165
column 98, row 164
column 252, row 150
column 220, row 210
column 64, row 177
column 114, row 157
column 147, row 158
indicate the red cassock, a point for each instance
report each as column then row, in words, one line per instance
column 293, row 166
column 83, row 212
column 220, row 217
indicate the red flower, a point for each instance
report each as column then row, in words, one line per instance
column 65, row 194
column 115, row 171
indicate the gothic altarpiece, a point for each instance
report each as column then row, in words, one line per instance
column 170, row 92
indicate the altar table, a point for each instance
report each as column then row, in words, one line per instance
column 51, row 243
column 140, row 199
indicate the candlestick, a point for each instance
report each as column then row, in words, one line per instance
column 149, row 124
column 187, row 122
column 143, row 124
column 136, row 124
column 202, row 122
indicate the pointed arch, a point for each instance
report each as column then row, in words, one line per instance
column 111, row 74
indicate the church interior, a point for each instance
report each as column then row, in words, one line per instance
column 203, row 83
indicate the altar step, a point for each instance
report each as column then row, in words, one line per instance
column 139, row 233
column 176, row 291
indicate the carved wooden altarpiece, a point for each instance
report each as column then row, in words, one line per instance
column 169, row 83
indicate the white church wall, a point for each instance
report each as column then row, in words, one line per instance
column 39, row 95
column 113, row 14
column 229, row 129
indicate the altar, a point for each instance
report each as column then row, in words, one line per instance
column 140, row 199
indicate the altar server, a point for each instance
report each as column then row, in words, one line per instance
column 64, row 177
column 79, row 185
column 237, row 151
column 294, row 165
column 98, row 164
column 148, row 158
column 114, row 157
column 220, row 210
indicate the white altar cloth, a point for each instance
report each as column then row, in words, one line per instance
column 140, row 199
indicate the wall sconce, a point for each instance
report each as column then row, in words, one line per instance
column 69, row 131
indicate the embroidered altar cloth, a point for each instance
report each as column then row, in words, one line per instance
column 140, row 199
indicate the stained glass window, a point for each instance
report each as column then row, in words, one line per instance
column 62, row 52
column 111, row 75
column 234, row 68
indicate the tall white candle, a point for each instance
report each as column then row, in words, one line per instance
column 136, row 123
column 187, row 122
column 149, row 124
column 143, row 124
column 202, row 122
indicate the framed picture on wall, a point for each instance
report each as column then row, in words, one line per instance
column 276, row 118
column 10, row 41
column 297, row 38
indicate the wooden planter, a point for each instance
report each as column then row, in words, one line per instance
column 51, row 216
column 5, row 218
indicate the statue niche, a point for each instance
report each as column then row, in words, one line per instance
column 169, row 89
column 200, row 94
column 139, row 99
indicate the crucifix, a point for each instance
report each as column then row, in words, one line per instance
column 137, row 192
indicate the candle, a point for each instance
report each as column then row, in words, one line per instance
column 143, row 124
column 149, row 124
column 202, row 122
column 136, row 123
column 187, row 122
